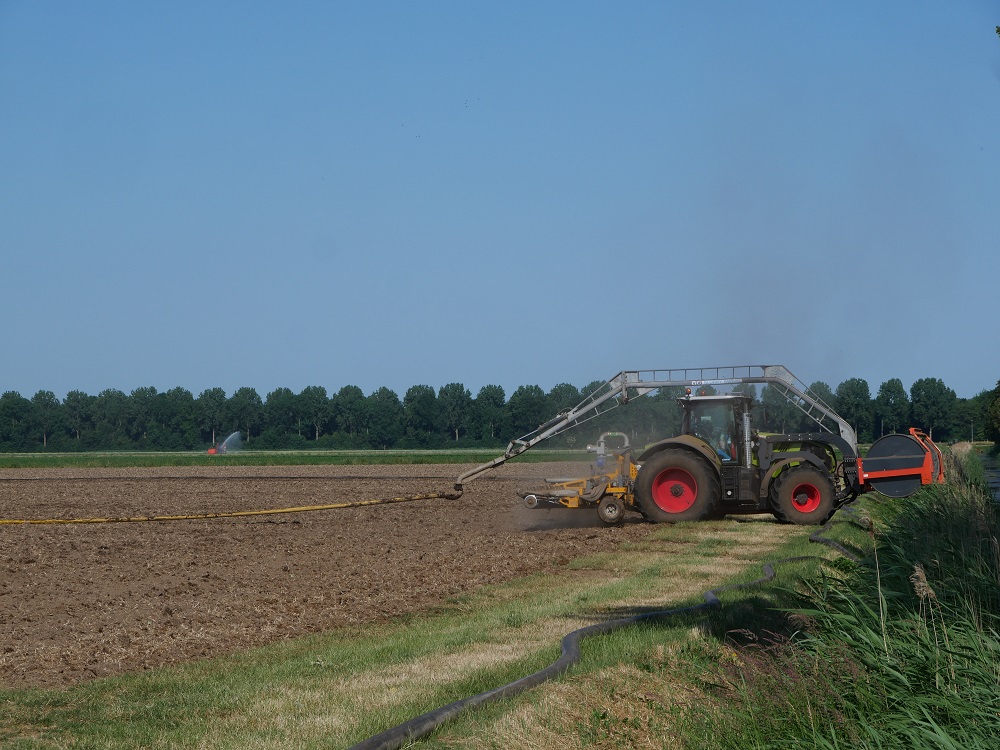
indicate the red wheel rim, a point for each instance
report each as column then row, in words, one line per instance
column 674, row 490
column 805, row 498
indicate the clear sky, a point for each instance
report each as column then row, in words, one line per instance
column 228, row 194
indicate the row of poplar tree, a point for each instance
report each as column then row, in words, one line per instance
column 449, row 416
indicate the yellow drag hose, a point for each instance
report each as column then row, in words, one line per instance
column 235, row 513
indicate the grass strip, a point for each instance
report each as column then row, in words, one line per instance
column 641, row 687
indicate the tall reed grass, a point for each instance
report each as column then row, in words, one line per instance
column 900, row 650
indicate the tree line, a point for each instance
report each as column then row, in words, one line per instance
column 147, row 419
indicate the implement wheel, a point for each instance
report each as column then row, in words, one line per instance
column 803, row 495
column 676, row 485
column 611, row 510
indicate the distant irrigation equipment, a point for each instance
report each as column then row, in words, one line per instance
column 232, row 443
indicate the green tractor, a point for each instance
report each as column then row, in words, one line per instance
column 720, row 464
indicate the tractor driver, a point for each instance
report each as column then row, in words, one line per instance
column 722, row 421
column 723, row 444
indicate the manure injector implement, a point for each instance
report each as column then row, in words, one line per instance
column 720, row 463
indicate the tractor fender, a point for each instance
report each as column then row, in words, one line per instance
column 686, row 442
column 787, row 459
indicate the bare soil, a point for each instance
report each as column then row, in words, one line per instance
column 83, row 601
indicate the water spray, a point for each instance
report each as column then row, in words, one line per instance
column 232, row 443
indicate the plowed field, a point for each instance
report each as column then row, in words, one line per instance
column 85, row 601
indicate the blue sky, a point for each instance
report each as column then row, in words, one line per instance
column 320, row 193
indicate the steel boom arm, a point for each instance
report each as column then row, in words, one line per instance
column 629, row 384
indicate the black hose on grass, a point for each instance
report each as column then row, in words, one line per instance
column 817, row 536
column 422, row 725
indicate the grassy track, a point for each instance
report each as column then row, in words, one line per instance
column 641, row 687
column 334, row 689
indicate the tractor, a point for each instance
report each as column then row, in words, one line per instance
column 720, row 463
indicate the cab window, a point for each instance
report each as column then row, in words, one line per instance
column 716, row 425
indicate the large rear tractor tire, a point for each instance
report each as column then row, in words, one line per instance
column 803, row 495
column 675, row 485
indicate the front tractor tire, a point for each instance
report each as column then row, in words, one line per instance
column 675, row 485
column 803, row 495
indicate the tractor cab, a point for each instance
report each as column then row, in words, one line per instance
column 718, row 420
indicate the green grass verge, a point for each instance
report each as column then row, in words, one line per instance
column 655, row 685
column 333, row 689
